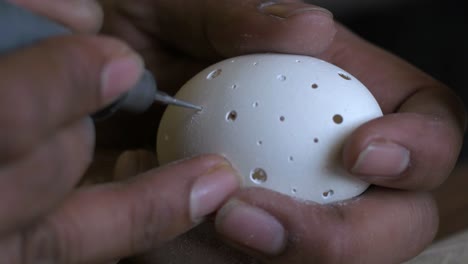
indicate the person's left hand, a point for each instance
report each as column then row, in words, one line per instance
column 178, row 38
column 410, row 150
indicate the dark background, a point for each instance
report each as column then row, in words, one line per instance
column 432, row 35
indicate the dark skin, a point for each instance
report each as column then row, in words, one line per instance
column 411, row 100
column 397, row 218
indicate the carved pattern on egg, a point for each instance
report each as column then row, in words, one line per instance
column 281, row 120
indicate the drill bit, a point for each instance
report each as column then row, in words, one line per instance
column 20, row 28
column 141, row 98
column 164, row 98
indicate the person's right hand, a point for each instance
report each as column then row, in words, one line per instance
column 47, row 92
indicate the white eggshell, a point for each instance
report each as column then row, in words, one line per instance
column 281, row 120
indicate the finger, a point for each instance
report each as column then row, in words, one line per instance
column 67, row 78
column 36, row 184
column 131, row 163
column 410, row 151
column 383, row 226
column 79, row 15
column 226, row 28
column 427, row 132
column 100, row 169
column 138, row 215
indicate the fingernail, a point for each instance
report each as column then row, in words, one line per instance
column 382, row 158
column 251, row 227
column 120, row 75
column 211, row 190
column 286, row 10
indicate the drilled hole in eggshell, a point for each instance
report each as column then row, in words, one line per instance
column 231, row 116
column 255, row 63
column 281, row 78
column 338, row 119
column 328, row 194
column 214, row 74
column 258, row 176
column 245, row 120
column 344, row 76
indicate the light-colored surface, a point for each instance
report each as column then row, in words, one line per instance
column 452, row 250
column 285, row 116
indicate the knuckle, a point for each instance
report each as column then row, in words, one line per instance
column 43, row 243
column 77, row 50
column 330, row 249
column 79, row 144
column 336, row 250
column 57, row 165
column 334, row 246
column 17, row 124
column 73, row 69
column 71, row 153
column 339, row 246
column 150, row 218
column 329, row 244
column 89, row 55
column 423, row 211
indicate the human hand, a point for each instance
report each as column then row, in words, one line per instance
column 47, row 92
column 179, row 38
column 409, row 151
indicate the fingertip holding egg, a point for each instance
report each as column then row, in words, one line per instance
column 290, row 142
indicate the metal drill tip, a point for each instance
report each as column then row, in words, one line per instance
column 167, row 99
column 185, row 104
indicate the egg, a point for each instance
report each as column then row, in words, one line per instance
column 281, row 120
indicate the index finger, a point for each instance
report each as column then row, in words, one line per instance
column 120, row 219
column 56, row 82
